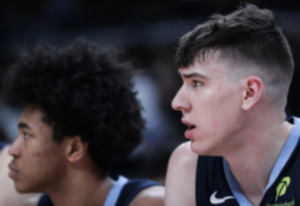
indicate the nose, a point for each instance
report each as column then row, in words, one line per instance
column 180, row 102
column 14, row 149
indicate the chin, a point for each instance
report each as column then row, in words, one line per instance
column 200, row 149
column 23, row 189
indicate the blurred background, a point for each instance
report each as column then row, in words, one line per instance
column 148, row 32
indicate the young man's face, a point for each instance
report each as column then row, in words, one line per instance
column 210, row 103
column 38, row 162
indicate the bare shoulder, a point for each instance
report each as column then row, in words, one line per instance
column 8, row 195
column 184, row 150
column 182, row 160
column 151, row 196
column 181, row 176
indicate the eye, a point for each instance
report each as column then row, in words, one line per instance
column 197, row 83
column 26, row 135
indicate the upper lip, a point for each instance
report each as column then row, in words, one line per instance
column 11, row 167
column 187, row 123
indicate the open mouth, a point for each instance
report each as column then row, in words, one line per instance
column 189, row 132
column 188, row 124
column 190, row 127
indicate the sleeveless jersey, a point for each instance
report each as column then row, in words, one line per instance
column 216, row 185
column 128, row 190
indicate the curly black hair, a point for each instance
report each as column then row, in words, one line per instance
column 82, row 90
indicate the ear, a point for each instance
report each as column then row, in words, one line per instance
column 253, row 90
column 76, row 149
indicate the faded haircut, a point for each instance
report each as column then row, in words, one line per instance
column 247, row 36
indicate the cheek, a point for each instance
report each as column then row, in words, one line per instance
column 228, row 102
column 221, row 115
column 46, row 165
column 45, row 157
column 41, row 169
column 40, row 158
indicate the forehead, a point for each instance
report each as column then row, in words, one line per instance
column 33, row 112
column 32, row 116
column 206, row 67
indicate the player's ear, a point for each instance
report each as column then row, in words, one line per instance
column 76, row 148
column 253, row 88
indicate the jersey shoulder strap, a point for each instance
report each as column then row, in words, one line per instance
column 132, row 188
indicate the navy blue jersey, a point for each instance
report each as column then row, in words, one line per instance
column 127, row 194
column 132, row 188
column 216, row 185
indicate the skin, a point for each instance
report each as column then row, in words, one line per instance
column 177, row 174
column 38, row 161
column 9, row 195
column 206, row 86
column 63, row 170
column 149, row 197
column 226, row 116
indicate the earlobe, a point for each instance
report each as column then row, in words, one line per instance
column 253, row 90
column 76, row 149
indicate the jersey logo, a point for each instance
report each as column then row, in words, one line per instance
column 215, row 200
column 282, row 187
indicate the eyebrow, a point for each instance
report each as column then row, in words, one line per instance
column 23, row 125
column 193, row 74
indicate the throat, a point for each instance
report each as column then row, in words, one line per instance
column 87, row 194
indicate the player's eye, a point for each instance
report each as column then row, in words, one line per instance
column 197, row 83
column 26, row 135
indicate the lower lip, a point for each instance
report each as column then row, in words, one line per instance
column 188, row 133
column 12, row 174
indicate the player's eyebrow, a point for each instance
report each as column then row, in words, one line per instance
column 191, row 75
column 23, row 125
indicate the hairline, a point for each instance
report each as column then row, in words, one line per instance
column 233, row 62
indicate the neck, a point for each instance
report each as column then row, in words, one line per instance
column 82, row 189
column 252, row 163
